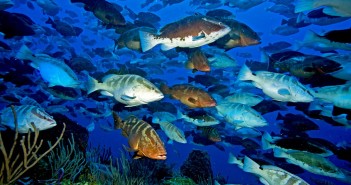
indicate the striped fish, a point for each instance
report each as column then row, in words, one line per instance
column 132, row 90
column 173, row 132
column 52, row 70
column 189, row 95
column 278, row 86
column 142, row 138
column 27, row 114
column 271, row 174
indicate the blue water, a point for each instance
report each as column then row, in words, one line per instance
column 256, row 18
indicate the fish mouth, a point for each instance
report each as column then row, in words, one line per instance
column 161, row 157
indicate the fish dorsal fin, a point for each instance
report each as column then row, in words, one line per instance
column 108, row 77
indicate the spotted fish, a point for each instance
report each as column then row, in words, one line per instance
column 142, row 138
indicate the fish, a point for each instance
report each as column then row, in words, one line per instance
column 320, row 43
column 220, row 14
column 311, row 162
column 334, row 8
column 172, row 132
column 318, row 17
column 131, row 40
column 246, row 132
column 52, row 70
column 276, row 47
column 240, row 35
column 50, row 7
column 295, row 144
column 158, row 117
column 198, row 61
column 278, row 86
column 131, row 90
column 211, row 133
column 15, row 24
column 338, row 95
column 189, row 32
column 64, row 28
column 198, row 118
column 345, row 61
column 285, row 30
column 5, row 4
column 301, row 65
column 108, row 13
column 240, row 115
column 296, row 123
column 189, row 95
column 246, row 98
column 220, row 59
column 142, row 138
column 269, row 174
column 26, row 115
column 244, row 4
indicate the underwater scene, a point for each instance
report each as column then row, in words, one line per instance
column 175, row 92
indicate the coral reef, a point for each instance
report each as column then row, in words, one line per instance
column 15, row 163
column 198, row 167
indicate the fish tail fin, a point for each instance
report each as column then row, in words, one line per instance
column 179, row 114
column 24, row 53
column 233, row 160
column 245, row 73
column 147, row 40
column 305, row 5
column 265, row 59
column 266, row 141
column 279, row 153
column 165, row 89
column 92, row 85
column 50, row 21
column 117, row 121
column 280, row 116
column 251, row 166
column 310, row 36
column 190, row 79
column 301, row 18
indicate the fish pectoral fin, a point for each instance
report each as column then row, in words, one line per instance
column 105, row 93
column 128, row 148
column 199, row 37
column 308, row 69
column 284, row 92
column 127, row 98
column 108, row 17
column 192, row 100
column 136, row 156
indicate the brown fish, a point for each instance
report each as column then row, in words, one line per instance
column 198, row 61
column 131, row 39
column 240, row 35
column 190, row 95
column 142, row 138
